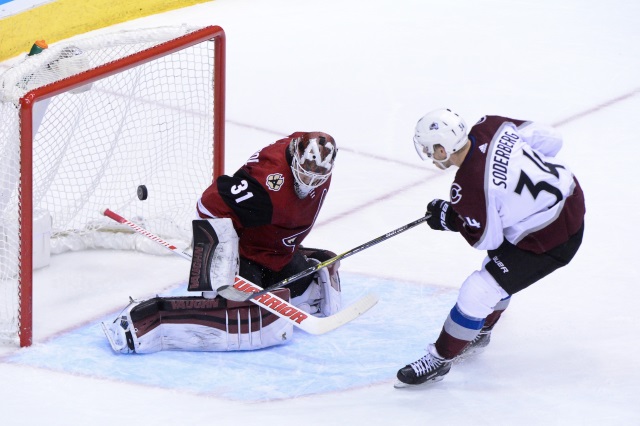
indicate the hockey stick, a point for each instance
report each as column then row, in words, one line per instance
column 237, row 294
column 269, row 301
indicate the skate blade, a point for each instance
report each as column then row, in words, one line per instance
column 402, row 385
column 462, row 358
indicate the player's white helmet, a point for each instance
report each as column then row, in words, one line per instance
column 313, row 156
column 440, row 127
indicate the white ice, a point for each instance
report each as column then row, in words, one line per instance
column 566, row 351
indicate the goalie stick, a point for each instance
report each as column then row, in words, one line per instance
column 237, row 293
column 269, row 301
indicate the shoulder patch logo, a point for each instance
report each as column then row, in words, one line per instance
column 456, row 193
column 483, row 148
column 275, row 181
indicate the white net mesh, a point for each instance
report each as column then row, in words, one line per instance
column 151, row 124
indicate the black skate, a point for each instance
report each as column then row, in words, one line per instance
column 475, row 346
column 428, row 369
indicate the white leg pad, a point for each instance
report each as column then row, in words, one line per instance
column 479, row 294
column 309, row 301
column 196, row 324
column 329, row 280
column 215, row 248
column 226, row 263
column 323, row 297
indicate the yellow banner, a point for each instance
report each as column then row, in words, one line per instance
column 62, row 19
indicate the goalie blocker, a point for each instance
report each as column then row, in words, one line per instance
column 210, row 323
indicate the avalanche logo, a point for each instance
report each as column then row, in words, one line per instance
column 456, row 193
column 275, row 181
column 434, row 126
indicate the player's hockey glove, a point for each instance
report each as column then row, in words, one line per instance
column 443, row 217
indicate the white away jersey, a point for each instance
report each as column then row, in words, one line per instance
column 511, row 187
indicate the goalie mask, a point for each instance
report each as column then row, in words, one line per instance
column 440, row 127
column 312, row 163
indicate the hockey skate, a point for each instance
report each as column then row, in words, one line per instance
column 119, row 332
column 475, row 346
column 428, row 369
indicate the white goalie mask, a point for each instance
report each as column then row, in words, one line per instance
column 312, row 163
column 440, row 127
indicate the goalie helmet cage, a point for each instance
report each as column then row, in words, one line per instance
column 84, row 124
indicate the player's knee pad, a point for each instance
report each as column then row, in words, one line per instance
column 215, row 260
column 479, row 294
column 197, row 324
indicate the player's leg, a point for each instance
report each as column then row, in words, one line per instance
column 477, row 297
column 482, row 299
column 196, row 324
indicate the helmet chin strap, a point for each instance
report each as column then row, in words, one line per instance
column 440, row 164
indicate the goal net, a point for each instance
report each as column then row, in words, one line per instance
column 85, row 123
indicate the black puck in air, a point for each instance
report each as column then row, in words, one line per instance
column 142, row 192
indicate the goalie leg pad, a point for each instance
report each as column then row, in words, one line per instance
column 215, row 259
column 323, row 297
column 329, row 280
column 200, row 324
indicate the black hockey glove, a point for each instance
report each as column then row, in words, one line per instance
column 442, row 216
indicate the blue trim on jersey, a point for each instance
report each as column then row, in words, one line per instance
column 465, row 321
column 471, row 148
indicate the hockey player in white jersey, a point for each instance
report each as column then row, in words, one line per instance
column 510, row 197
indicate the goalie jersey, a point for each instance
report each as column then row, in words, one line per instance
column 512, row 163
column 269, row 218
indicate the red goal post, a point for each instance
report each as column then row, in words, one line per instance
column 92, row 119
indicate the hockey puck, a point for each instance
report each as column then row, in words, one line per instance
column 142, row 192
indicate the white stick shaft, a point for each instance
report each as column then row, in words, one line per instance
column 140, row 230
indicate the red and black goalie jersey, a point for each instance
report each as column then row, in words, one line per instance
column 270, row 219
